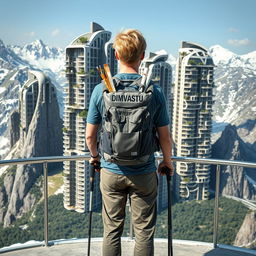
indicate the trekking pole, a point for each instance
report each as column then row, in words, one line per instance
column 92, row 174
column 168, row 179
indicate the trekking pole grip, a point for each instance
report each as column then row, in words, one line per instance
column 166, row 171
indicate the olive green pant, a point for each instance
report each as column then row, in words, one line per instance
column 142, row 190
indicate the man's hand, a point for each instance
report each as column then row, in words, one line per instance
column 95, row 162
column 165, row 164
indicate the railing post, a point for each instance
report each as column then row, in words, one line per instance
column 45, row 167
column 216, row 208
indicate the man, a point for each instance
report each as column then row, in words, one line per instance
column 139, row 182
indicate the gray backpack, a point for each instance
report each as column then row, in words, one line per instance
column 128, row 133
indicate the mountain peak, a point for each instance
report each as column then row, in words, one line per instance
column 221, row 54
column 219, row 48
column 39, row 42
column 37, row 50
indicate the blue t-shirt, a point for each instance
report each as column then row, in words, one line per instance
column 160, row 119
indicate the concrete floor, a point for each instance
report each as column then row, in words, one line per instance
column 78, row 247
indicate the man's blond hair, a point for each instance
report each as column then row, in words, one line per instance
column 130, row 45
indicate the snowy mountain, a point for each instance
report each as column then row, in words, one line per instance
column 235, row 81
column 14, row 63
column 40, row 55
column 8, row 61
column 222, row 56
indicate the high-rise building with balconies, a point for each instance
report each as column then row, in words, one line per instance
column 83, row 55
column 160, row 72
column 192, row 119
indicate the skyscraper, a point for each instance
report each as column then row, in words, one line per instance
column 192, row 119
column 160, row 72
column 82, row 56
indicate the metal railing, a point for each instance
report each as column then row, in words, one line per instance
column 86, row 157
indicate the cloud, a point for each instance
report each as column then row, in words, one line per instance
column 55, row 32
column 233, row 30
column 32, row 33
column 237, row 42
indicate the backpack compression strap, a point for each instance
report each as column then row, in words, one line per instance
column 136, row 82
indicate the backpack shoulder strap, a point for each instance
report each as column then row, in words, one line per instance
column 116, row 81
column 143, row 87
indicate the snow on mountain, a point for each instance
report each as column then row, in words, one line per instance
column 9, row 101
column 41, row 56
column 250, row 58
column 8, row 59
column 235, row 80
column 220, row 55
column 250, row 55
column 235, row 95
column 3, row 73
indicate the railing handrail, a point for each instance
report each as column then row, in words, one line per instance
column 86, row 156
column 53, row 159
column 43, row 159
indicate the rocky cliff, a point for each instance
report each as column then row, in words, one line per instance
column 235, row 181
column 14, row 124
column 247, row 131
column 246, row 235
column 43, row 137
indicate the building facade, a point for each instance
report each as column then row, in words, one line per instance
column 160, row 72
column 192, row 119
column 83, row 55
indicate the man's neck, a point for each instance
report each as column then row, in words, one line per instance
column 131, row 69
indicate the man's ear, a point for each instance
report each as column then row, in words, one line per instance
column 116, row 55
column 142, row 56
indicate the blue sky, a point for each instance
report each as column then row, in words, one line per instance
column 164, row 23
